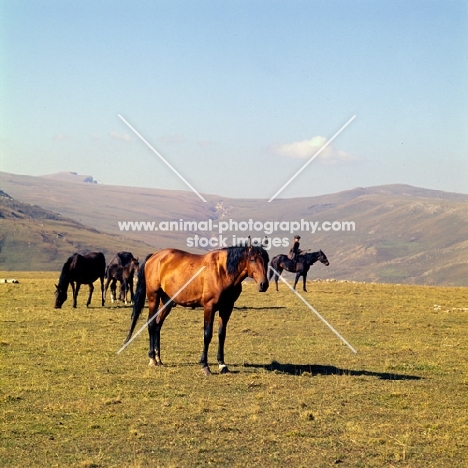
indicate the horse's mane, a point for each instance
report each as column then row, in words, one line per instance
column 64, row 274
column 310, row 255
column 236, row 253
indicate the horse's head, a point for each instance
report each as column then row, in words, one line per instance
column 257, row 266
column 60, row 297
column 322, row 258
column 135, row 265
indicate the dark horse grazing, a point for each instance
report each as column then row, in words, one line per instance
column 122, row 258
column 80, row 269
column 215, row 288
column 123, row 274
column 301, row 267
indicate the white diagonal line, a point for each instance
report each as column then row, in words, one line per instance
column 161, row 309
column 162, row 158
column 313, row 310
column 312, row 158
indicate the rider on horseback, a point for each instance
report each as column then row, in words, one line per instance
column 295, row 251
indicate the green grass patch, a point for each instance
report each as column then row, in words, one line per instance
column 296, row 395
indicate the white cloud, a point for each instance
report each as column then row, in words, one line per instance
column 120, row 136
column 308, row 148
column 61, row 137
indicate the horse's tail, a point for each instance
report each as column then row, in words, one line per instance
column 138, row 299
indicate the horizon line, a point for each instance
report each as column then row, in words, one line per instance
column 102, row 184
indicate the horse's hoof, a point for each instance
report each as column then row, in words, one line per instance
column 206, row 371
column 154, row 363
column 223, row 369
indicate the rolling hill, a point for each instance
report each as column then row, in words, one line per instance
column 32, row 238
column 402, row 234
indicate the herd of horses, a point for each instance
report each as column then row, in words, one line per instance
column 173, row 277
column 87, row 268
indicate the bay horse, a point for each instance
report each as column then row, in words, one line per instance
column 301, row 267
column 164, row 276
column 123, row 274
column 77, row 270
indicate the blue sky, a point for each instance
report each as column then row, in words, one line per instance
column 238, row 95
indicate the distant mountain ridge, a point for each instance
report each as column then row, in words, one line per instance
column 73, row 177
column 403, row 234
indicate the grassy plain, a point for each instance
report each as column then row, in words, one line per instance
column 296, row 397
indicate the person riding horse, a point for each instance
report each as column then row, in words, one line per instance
column 295, row 251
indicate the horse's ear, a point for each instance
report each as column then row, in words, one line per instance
column 56, row 286
column 250, row 242
column 265, row 242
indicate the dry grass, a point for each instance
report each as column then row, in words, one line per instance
column 296, row 395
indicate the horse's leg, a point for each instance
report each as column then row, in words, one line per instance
column 158, row 316
column 108, row 280
column 224, row 315
column 121, row 292
column 113, row 287
column 75, row 290
column 91, row 289
column 207, row 335
column 130, row 283
column 125, row 290
column 298, row 275
column 103, row 295
column 153, row 304
column 279, row 270
column 163, row 312
column 304, row 276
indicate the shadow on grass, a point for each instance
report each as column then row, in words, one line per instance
column 259, row 308
column 244, row 307
column 118, row 305
column 317, row 369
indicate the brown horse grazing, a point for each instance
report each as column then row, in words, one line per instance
column 301, row 267
column 164, row 277
column 80, row 269
column 123, row 274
